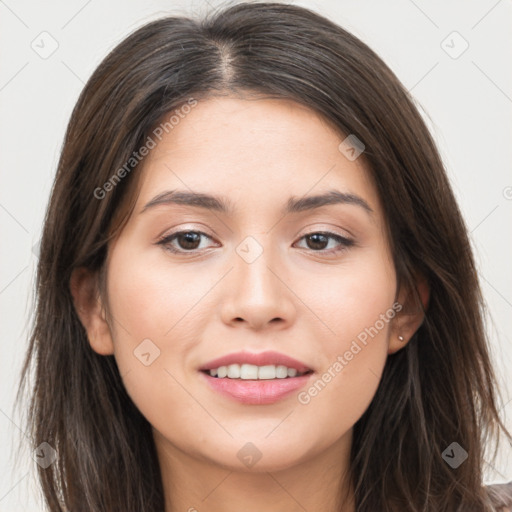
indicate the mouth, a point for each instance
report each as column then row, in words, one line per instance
column 254, row 372
column 255, row 378
column 250, row 379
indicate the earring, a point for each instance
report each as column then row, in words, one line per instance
column 400, row 338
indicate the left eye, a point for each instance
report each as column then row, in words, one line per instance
column 321, row 238
column 189, row 241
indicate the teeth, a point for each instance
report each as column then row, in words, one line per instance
column 267, row 372
column 251, row 371
column 234, row 371
column 248, row 371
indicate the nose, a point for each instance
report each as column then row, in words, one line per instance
column 258, row 294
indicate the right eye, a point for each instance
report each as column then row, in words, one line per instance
column 187, row 241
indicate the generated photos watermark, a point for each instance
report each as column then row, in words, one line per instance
column 165, row 127
column 357, row 345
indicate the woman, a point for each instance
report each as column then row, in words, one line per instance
column 256, row 290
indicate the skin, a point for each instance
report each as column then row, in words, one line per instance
column 295, row 298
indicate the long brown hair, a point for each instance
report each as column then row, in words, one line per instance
column 439, row 389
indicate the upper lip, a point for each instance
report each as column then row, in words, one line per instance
column 259, row 359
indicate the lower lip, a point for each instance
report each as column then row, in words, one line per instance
column 256, row 392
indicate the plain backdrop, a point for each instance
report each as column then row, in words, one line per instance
column 454, row 56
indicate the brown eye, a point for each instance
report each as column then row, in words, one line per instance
column 319, row 242
column 183, row 241
column 188, row 240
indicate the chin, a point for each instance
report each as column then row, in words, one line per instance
column 258, row 455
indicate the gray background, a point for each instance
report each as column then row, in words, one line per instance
column 466, row 100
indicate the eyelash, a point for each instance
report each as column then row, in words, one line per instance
column 343, row 241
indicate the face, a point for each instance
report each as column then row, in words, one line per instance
column 187, row 284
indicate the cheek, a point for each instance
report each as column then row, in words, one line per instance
column 350, row 299
column 150, row 338
column 357, row 307
column 147, row 297
column 158, row 314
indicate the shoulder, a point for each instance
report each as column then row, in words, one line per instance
column 501, row 496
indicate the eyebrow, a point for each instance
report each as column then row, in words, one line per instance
column 224, row 205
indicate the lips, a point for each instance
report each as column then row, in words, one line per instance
column 256, row 392
column 257, row 359
column 249, row 391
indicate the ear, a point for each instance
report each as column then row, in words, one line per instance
column 409, row 319
column 89, row 307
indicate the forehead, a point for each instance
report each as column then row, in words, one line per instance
column 250, row 150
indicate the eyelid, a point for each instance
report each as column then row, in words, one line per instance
column 323, row 227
